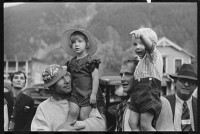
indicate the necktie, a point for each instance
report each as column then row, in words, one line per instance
column 185, row 118
column 120, row 114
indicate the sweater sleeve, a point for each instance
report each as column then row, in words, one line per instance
column 95, row 122
column 165, row 119
column 39, row 122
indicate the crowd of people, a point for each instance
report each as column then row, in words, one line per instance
column 78, row 104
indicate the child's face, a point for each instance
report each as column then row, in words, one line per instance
column 79, row 45
column 139, row 48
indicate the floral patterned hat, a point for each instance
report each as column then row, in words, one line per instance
column 52, row 74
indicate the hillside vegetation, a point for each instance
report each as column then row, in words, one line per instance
column 35, row 29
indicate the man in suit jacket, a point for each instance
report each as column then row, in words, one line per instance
column 185, row 84
column 23, row 105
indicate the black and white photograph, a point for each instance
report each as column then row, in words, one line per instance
column 100, row 66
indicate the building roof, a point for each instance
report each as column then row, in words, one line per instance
column 164, row 42
column 17, row 57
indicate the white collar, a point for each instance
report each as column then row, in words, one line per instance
column 64, row 101
column 181, row 101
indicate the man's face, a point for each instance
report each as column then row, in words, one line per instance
column 63, row 86
column 18, row 81
column 185, row 87
column 127, row 75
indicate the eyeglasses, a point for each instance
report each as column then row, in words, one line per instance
column 190, row 82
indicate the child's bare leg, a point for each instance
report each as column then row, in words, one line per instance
column 146, row 121
column 84, row 112
column 134, row 121
column 73, row 112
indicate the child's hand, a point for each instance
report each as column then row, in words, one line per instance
column 64, row 67
column 136, row 34
column 92, row 99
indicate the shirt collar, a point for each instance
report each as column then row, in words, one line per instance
column 181, row 101
column 64, row 101
column 18, row 96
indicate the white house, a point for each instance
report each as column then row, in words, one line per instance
column 31, row 66
column 173, row 57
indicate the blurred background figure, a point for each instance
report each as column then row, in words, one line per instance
column 8, row 95
column 5, row 116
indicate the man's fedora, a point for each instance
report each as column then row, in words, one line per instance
column 187, row 72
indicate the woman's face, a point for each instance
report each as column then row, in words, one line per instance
column 18, row 81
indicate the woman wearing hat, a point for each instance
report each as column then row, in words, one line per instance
column 81, row 44
column 183, row 104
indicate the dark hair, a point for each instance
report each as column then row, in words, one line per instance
column 15, row 73
column 76, row 34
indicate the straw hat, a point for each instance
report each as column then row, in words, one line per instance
column 52, row 74
column 65, row 41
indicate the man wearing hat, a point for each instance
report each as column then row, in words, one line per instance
column 51, row 114
column 183, row 104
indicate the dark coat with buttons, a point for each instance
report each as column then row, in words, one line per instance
column 24, row 112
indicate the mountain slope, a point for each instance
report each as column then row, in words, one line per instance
column 35, row 29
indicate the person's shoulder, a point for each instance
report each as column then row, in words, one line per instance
column 194, row 98
column 27, row 97
column 155, row 51
column 44, row 106
column 44, row 103
column 164, row 100
column 169, row 96
column 5, row 102
column 93, row 60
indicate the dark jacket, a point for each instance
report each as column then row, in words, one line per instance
column 24, row 112
column 171, row 98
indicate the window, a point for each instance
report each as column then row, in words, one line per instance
column 178, row 63
column 164, row 65
column 11, row 66
column 22, row 66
